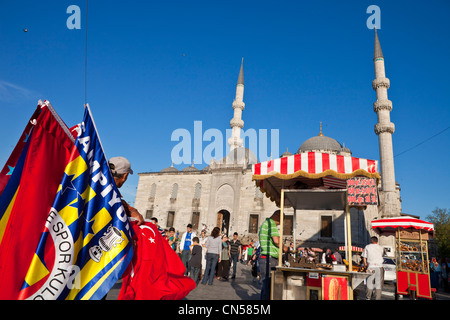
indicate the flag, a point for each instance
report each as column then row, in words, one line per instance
column 35, row 169
column 85, row 245
column 156, row 272
column 8, row 169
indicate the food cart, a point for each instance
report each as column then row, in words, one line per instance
column 411, row 254
column 314, row 181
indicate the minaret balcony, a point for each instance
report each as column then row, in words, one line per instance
column 382, row 105
column 238, row 104
column 237, row 123
column 384, row 127
column 380, row 82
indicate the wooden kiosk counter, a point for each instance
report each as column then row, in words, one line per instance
column 280, row 179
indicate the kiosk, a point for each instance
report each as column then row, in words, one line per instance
column 310, row 181
column 411, row 254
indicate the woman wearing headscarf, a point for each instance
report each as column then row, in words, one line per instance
column 435, row 273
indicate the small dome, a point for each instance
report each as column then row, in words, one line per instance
column 345, row 151
column 286, row 154
column 190, row 169
column 170, row 169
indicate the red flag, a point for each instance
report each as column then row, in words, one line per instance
column 156, row 272
column 43, row 160
column 7, row 170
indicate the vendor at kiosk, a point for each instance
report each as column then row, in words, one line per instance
column 373, row 260
column 269, row 239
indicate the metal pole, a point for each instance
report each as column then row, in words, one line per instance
column 295, row 230
column 345, row 234
column 349, row 240
column 280, row 245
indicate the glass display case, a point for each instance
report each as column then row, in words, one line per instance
column 412, row 259
column 412, row 256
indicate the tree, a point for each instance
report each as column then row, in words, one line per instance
column 441, row 220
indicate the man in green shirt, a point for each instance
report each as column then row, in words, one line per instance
column 269, row 239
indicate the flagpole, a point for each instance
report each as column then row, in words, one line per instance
column 85, row 54
column 95, row 128
column 58, row 118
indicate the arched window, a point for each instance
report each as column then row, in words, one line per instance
column 174, row 193
column 198, row 190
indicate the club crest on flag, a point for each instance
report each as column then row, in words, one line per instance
column 86, row 242
column 109, row 241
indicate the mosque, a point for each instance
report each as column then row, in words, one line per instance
column 223, row 194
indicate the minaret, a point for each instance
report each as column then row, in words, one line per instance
column 384, row 129
column 236, row 123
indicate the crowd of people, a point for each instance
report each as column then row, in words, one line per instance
column 215, row 257
column 439, row 274
column 324, row 256
column 212, row 257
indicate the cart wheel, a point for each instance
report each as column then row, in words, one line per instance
column 433, row 293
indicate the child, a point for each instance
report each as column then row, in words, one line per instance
column 172, row 239
column 255, row 262
column 195, row 263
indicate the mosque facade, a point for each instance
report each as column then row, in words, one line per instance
column 223, row 194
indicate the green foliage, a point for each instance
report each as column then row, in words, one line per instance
column 441, row 220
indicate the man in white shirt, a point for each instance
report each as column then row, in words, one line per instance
column 373, row 260
column 185, row 243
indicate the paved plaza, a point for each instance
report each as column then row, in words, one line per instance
column 243, row 288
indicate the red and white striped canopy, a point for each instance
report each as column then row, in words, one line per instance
column 354, row 249
column 402, row 222
column 316, row 165
column 333, row 170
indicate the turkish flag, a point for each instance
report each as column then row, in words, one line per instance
column 156, row 272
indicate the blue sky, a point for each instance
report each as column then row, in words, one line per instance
column 157, row 66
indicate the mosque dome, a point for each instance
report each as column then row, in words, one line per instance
column 322, row 143
column 240, row 155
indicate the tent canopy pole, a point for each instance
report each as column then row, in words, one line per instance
column 280, row 244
